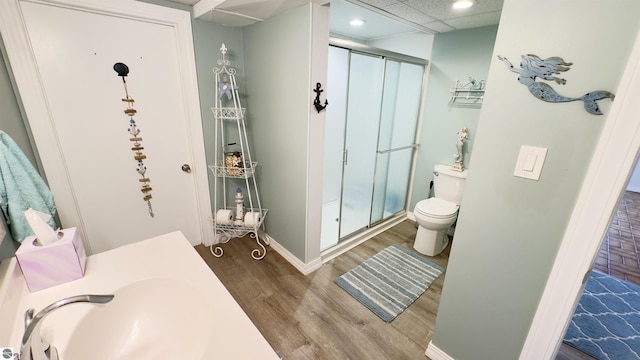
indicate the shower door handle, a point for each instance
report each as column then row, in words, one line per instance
column 345, row 157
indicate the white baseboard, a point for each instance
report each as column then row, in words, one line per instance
column 435, row 353
column 360, row 238
column 208, row 241
column 339, row 249
column 305, row 269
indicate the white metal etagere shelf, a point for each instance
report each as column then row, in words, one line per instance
column 241, row 173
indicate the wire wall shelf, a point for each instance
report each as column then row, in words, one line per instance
column 233, row 172
column 227, row 231
column 471, row 93
column 241, row 227
column 228, row 113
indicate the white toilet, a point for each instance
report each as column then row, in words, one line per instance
column 436, row 215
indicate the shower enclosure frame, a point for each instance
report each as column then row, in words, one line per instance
column 377, row 213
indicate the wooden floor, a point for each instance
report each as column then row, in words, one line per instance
column 619, row 255
column 310, row 317
column 567, row 352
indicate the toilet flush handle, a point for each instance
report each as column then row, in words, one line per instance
column 435, row 173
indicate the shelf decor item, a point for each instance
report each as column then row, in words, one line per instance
column 463, row 136
column 533, row 67
column 233, row 162
column 238, row 211
column 134, row 131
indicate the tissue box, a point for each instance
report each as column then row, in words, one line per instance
column 44, row 266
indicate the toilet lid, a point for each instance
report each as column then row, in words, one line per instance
column 435, row 207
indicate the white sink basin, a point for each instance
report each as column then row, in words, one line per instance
column 149, row 319
column 168, row 304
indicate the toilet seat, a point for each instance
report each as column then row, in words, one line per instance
column 436, row 208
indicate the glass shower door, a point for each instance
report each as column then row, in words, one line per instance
column 400, row 111
column 366, row 79
column 337, row 85
column 369, row 140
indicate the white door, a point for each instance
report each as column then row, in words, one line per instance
column 75, row 50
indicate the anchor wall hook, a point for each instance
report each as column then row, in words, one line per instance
column 317, row 103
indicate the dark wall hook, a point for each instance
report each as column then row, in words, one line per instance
column 121, row 69
column 317, row 103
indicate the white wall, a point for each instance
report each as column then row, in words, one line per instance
column 315, row 134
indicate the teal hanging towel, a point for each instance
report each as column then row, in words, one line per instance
column 21, row 188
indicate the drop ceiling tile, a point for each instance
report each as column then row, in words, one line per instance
column 438, row 26
column 408, row 13
column 474, row 21
column 441, row 9
column 376, row 26
column 429, row 16
column 376, row 3
column 261, row 9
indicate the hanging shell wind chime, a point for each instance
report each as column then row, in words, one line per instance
column 139, row 156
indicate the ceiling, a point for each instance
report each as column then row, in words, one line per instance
column 384, row 18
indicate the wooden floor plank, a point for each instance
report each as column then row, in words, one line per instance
column 567, row 352
column 310, row 317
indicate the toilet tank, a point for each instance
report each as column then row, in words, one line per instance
column 448, row 184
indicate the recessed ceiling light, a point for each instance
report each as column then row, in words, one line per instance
column 463, row 4
column 357, row 22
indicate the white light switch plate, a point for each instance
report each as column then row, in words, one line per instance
column 530, row 161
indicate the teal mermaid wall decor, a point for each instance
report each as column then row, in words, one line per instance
column 533, row 67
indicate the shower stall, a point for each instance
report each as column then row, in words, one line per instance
column 375, row 99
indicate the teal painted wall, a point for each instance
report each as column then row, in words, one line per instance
column 277, row 62
column 509, row 229
column 456, row 55
column 208, row 38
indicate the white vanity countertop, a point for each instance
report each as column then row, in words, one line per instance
column 234, row 336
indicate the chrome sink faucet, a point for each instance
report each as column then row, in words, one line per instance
column 33, row 346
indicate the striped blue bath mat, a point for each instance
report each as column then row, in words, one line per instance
column 390, row 281
column 606, row 323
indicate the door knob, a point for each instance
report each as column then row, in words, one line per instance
column 186, row 168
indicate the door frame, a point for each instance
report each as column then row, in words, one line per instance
column 40, row 119
column 613, row 161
